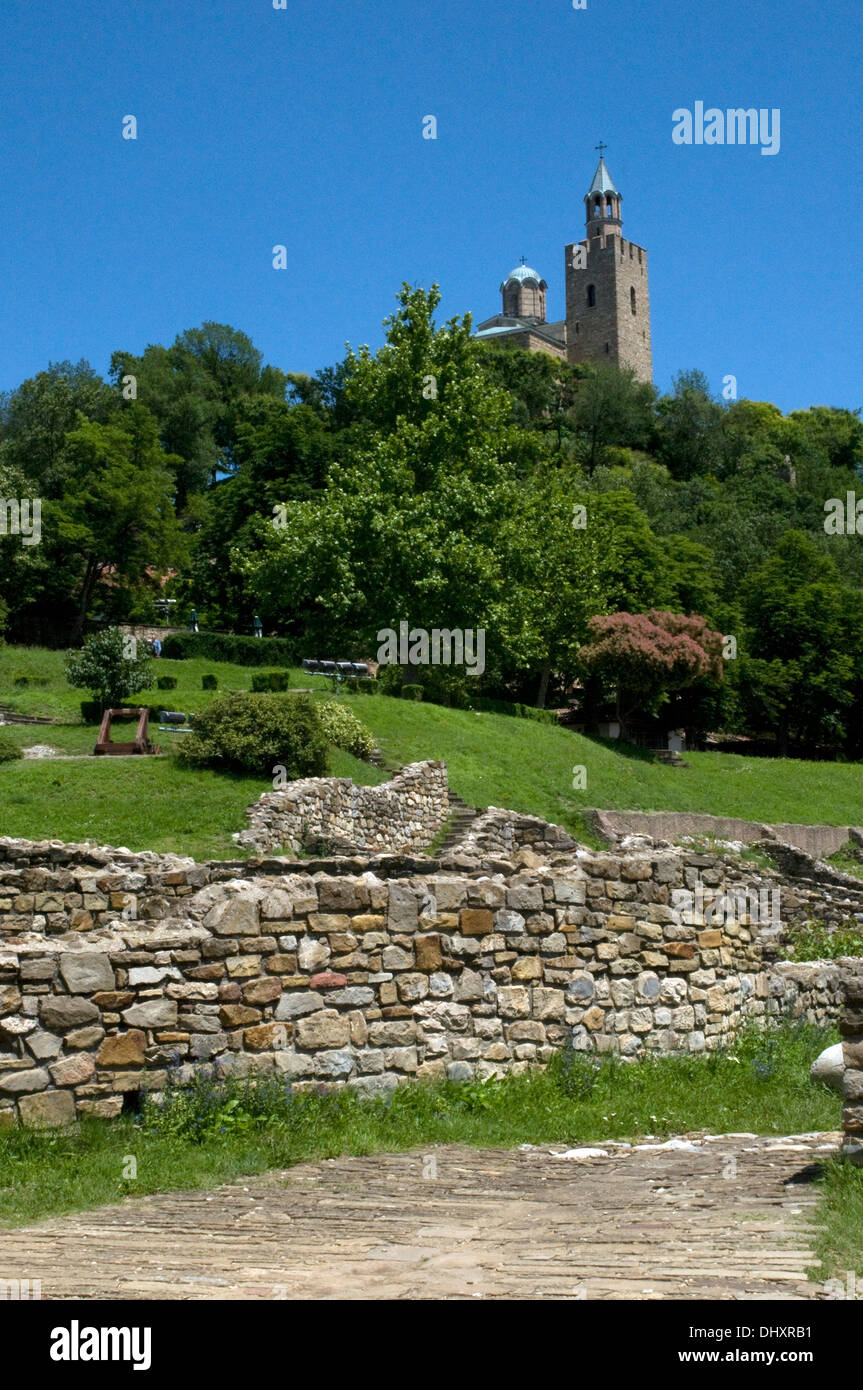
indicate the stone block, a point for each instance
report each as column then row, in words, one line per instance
column 48, row 1110
column 123, row 1049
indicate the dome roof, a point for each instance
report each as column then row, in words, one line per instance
column 523, row 273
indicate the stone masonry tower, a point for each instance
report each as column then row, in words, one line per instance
column 607, row 304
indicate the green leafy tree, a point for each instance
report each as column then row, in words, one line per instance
column 805, row 640
column 612, row 409
column 111, row 666
column 117, row 512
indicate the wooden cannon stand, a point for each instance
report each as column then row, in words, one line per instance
column 142, row 744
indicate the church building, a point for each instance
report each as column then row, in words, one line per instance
column 607, row 304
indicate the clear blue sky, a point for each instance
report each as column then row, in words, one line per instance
column 303, row 127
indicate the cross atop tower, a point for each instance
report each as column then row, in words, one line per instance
column 600, row 147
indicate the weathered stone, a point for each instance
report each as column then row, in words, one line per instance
column 236, row 917
column 73, row 1071
column 123, row 1049
column 17, row 1082
column 152, row 1013
column 60, row 1012
column 301, row 1002
column 48, row 1110
column 238, row 1015
column 323, row 1029
column 262, row 991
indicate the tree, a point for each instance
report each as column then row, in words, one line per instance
column 35, row 419
column 689, row 427
column 644, row 657
column 108, row 669
column 804, row 633
column 612, row 408
column 116, row 512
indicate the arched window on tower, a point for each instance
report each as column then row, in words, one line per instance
column 609, row 210
column 591, row 296
column 632, row 298
column 597, row 208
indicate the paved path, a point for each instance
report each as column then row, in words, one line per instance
column 723, row 1218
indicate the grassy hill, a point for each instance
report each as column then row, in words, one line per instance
column 150, row 803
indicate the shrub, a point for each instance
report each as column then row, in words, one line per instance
column 20, row 680
column 342, row 728
column 225, row 646
column 209, row 682
column 103, row 668
column 274, row 681
column 240, row 732
column 816, row 941
column 366, row 685
column 166, row 683
column 390, row 680
column 9, row 751
column 412, row 692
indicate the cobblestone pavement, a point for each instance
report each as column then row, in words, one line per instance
column 704, row 1218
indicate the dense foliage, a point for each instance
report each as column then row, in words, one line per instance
column 344, row 730
column 448, row 484
column 108, row 669
column 258, row 734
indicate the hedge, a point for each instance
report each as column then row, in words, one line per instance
column 276, row 682
column 236, row 648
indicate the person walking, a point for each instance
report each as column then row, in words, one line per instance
column 157, row 647
column 257, row 626
column 193, row 621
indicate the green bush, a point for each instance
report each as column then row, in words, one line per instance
column 390, row 680
column 224, row 646
column 9, row 751
column 209, row 682
column 412, row 692
column 20, row 680
column 166, row 683
column 274, row 681
column 816, row 941
column 343, row 729
column 366, row 685
column 103, row 668
column 240, row 732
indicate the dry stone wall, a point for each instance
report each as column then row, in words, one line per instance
column 404, row 813
column 851, row 1027
column 113, row 965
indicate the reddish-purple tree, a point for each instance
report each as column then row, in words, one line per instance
column 641, row 657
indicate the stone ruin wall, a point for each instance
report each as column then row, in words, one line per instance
column 361, row 971
column 403, row 813
column 851, row 1028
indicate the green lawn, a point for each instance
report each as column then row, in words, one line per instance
column 493, row 760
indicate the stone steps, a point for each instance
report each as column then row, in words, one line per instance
column 461, row 818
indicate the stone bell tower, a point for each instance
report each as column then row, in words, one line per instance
column 607, row 303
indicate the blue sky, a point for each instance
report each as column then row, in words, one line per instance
column 304, row 127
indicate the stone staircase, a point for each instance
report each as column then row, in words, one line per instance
column 8, row 715
column 461, row 818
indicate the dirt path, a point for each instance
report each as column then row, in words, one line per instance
column 725, row 1218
